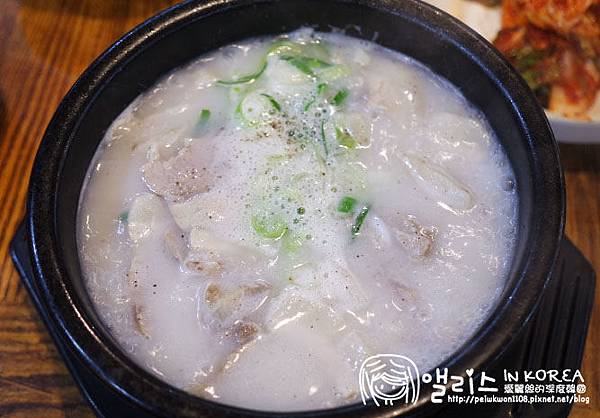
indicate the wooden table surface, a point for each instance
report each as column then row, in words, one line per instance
column 44, row 46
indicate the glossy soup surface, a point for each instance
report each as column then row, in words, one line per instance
column 264, row 219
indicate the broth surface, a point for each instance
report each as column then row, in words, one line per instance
column 265, row 218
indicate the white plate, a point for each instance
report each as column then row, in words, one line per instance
column 486, row 21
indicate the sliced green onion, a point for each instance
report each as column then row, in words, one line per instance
column 324, row 138
column 360, row 219
column 345, row 139
column 309, row 103
column 292, row 241
column 253, row 108
column 346, row 204
column 334, row 72
column 305, row 64
column 284, row 45
column 274, row 102
column 204, row 117
column 269, row 226
column 340, row 97
column 317, row 49
column 320, row 89
column 123, row 217
column 293, row 50
column 249, row 78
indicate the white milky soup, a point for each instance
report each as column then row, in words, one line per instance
column 265, row 218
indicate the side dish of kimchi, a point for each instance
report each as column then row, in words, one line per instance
column 555, row 45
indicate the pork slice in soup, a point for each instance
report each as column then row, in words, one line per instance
column 267, row 217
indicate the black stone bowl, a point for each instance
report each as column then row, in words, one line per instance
column 186, row 31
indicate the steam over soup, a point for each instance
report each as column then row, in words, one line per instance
column 264, row 219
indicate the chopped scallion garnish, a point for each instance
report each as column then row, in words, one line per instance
column 360, row 219
column 309, row 103
column 284, row 45
column 340, row 97
column 320, row 89
column 123, row 217
column 346, row 204
column 345, row 139
column 334, row 72
column 255, row 108
column 249, row 78
column 305, row 64
column 324, row 138
column 269, row 226
column 274, row 102
column 204, row 117
column 292, row 241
